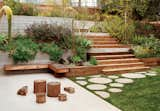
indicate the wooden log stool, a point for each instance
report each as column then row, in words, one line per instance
column 23, row 91
column 62, row 97
column 40, row 86
column 53, row 89
column 40, row 98
column 69, row 89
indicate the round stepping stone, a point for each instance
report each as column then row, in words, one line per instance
column 124, row 80
column 151, row 74
column 116, row 85
column 95, row 76
column 82, row 82
column 133, row 76
column 96, row 87
column 80, row 78
column 142, row 72
column 100, row 80
column 114, row 90
column 113, row 77
column 102, row 94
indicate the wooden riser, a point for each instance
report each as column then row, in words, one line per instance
column 103, row 57
column 110, row 46
column 124, row 65
column 117, row 61
column 118, row 71
column 102, row 39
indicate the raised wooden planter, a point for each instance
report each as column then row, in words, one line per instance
column 151, row 61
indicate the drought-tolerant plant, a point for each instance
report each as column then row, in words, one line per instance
column 7, row 10
column 3, row 42
column 116, row 27
column 82, row 45
column 146, row 46
column 52, row 50
column 23, row 49
column 76, row 59
column 22, row 8
column 45, row 32
column 93, row 61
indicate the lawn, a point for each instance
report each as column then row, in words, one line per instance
column 142, row 95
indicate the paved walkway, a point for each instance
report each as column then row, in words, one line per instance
column 104, row 85
column 82, row 100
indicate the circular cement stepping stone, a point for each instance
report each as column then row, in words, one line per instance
column 114, row 90
column 102, row 94
column 95, row 76
column 151, row 74
column 113, row 77
column 82, row 82
column 133, row 76
column 116, row 85
column 124, row 80
column 100, row 80
column 80, row 78
column 96, row 87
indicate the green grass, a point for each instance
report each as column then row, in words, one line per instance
column 142, row 95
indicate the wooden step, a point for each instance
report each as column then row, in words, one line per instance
column 104, row 42
column 102, row 57
column 118, row 61
column 124, row 70
column 101, row 39
column 110, row 46
column 124, row 65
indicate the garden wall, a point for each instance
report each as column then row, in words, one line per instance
column 19, row 23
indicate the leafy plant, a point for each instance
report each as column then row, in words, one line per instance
column 93, row 61
column 23, row 49
column 53, row 50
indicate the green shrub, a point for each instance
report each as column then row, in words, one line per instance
column 23, row 49
column 52, row 50
column 93, row 61
column 47, row 32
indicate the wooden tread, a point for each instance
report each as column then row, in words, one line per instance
column 104, row 42
column 124, row 65
column 118, row 61
column 124, row 70
column 102, row 57
column 110, row 46
column 57, row 68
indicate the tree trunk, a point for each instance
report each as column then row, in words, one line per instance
column 53, row 89
column 40, row 86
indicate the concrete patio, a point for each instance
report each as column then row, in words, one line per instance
column 82, row 100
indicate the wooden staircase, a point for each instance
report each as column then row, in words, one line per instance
column 114, row 56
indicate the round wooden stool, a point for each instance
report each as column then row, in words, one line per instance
column 53, row 89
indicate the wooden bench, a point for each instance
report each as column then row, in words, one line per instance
column 57, row 68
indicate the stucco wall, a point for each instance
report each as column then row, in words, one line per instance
column 19, row 23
